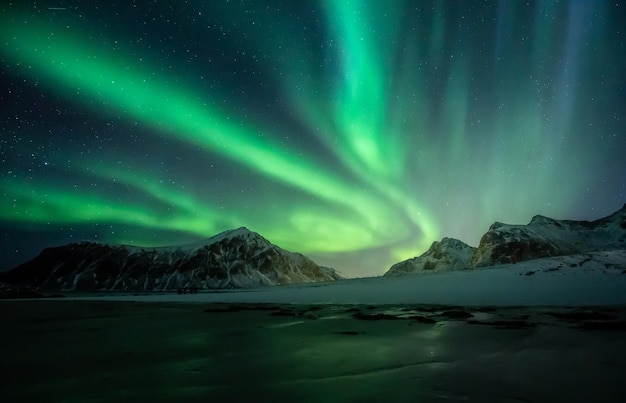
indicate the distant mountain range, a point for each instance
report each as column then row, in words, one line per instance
column 243, row 259
column 504, row 243
column 233, row 259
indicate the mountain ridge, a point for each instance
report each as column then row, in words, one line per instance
column 445, row 255
column 237, row 258
column 510, row 243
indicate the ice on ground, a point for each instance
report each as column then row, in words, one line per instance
column 588, row 279
column 98, row 351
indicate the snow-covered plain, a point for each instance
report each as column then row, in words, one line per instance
column 361, row 340
column 597, row 278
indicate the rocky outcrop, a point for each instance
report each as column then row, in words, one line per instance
column 233, row 259
column 545, row 237
column 505, row 243
column 448, row 254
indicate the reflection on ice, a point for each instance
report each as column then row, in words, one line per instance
column 112, row 351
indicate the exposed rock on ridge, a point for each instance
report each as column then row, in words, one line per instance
column 233, row 259
column 449, row 254
column 545, row 237
column 505, row 243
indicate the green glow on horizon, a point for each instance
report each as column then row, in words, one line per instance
column 358, row 125
column 49, row 204
column 181, row 113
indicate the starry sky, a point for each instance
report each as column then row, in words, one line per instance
column 355, row 132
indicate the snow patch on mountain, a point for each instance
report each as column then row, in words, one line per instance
column 595, row 278
column 506, row 243
column 544, row 237
column 232, row 259
column 448, row 254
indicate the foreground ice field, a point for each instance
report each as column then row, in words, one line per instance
column 102, row 351
column 590, row 279
column 541, row 331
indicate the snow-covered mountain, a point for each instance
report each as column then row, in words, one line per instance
column 505, row 243
column 582, row 280
column 449, row 254
column 233, row 259
column 545, row 237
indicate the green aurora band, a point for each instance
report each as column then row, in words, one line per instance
column 186, row 116
column 422, row 126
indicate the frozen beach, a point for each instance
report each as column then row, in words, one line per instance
column 538, row 331
column 103, row 351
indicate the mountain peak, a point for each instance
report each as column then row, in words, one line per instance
column 453, row 242
column 545, row 237
column 543, row 220
column 241, row 232
column 508, row 243
column 620, row 212
column 447, row 254
column 234, row 258
column 235, row 232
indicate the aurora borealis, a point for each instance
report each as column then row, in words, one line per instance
column 356, row 132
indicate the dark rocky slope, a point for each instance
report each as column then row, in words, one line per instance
column 233, row 259
column 505, row 243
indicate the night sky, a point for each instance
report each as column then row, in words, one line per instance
column 355, row 132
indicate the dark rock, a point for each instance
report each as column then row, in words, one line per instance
column 310, row 315
column 545, row 237
column 612, row 326
column 577, row 316
column 456, row 314
column 422, row 319
column 447, row 254
column 429, row 309
column 487, row 309
column 505, row 243
column 9, row 291
column 552, row 269
column 233, row 259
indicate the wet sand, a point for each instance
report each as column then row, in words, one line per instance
column 102, row 351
